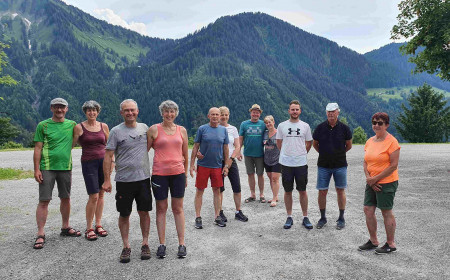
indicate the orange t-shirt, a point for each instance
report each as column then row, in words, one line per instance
column 377, row 157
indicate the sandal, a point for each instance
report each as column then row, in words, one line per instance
column 39, row 245
column 67, row 232
column 250, row 199
column 262, row 199
column 273, row 203
column 101, row 232
column 270, row 200
column 88, row 236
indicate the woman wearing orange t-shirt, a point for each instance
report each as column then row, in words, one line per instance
column 382, row 153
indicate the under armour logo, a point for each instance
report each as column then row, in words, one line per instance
column 290, row 131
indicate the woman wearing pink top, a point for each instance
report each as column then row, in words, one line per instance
column 170, row 167
column 92, row 136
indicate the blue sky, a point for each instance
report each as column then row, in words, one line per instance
column 361, row 25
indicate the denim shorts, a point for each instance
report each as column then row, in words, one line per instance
column 324, row 177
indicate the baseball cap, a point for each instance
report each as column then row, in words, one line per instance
column 59, row 101
column 332, row 106
column 255, row 107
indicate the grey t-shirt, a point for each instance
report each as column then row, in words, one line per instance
column 130, row 149
column 271, row 152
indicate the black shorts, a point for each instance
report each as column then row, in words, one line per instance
column 297, row 173
column 129, row 191
column 273, row 168
column 93, row 175
column 162, row 184
column 233, row 176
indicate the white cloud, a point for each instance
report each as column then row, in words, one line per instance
column 111, row 17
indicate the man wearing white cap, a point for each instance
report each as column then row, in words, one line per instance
column 53, row 162
column 332, row 140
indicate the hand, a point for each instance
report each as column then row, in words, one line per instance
column 192, row 170
column 225, row 171
column 199, row 155
column 239, row 157
column 107, row 187
column 38, row 176
column 377, row 187
column 371, row 181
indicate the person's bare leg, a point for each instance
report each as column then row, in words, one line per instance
column 220, row 200
column 371, row 222
column 91, row 209
column 161, row 210
column 99, row 209
column 322, row 199
column 178, row 214
column 261, row 185
column 341, row 198
column 237, row 201
column 288, row 202
column 144, row 221
column 304, row 202
column 275, row 184
column 124, row 227
column 198, row 200
column 64, row 208
column 41, row 217
column 216, row 197
column 252, row 185
column 389, row 225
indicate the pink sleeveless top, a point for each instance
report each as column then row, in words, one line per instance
column 168, row 159
column 92, row 143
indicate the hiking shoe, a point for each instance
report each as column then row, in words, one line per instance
column 222, row 215
column 161, row 253
column 145, row 252
column 340, row 224
column 321, row 223
column 218, row 221
column 385, row 250
column 289, row 223
column 125, row 255
column 367, row 246
column 240, row 216
column 306, row 223
column 198, row 223
column 182, row 251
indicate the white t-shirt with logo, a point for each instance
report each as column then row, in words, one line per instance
column 232, row 134
column 293, row 150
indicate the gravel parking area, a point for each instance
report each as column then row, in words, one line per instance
column 258, row 249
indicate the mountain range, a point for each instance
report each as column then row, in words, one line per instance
column 57, row 50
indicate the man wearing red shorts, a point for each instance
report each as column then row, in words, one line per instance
column 212, row 141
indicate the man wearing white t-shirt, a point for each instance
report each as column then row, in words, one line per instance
column 294, row 140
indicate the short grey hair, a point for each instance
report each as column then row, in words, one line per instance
column 126, row 101
column 168, row 105
column 91, row 104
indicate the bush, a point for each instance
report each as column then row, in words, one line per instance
column 11, row 145
column 359, row 136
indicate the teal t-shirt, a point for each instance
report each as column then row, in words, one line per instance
column 57, row 140
column 253, row 137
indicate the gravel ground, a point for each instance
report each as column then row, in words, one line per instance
column 258, row 249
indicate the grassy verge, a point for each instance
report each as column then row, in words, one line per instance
column 15, row 174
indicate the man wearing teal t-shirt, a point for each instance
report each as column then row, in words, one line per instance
column 251, row 137
column 53, row 162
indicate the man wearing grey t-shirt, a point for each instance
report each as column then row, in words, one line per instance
column 128, row 143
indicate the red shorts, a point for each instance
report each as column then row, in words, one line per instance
column 204, row 173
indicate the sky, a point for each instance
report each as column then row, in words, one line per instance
column 361, row 25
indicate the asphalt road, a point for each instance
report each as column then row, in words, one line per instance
column 258, row 249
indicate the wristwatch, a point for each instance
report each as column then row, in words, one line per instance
column 232, row 158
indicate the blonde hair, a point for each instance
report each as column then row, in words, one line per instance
column 270, row 118
column 224, row 109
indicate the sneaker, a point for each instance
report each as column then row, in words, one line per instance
column 367, row 246
column 145, row 252
column 161, row 253
column 240, row 216
column 321, row 223
column 222, row 215
column 340, row 224
column 306, row 223
column 182, row 251
column 218, row 221
column 289, row 223
column 198, row 223
column 385, row 250
column 125, row 255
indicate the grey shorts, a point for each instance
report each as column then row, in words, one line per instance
column 63, row 180
column 252, row 163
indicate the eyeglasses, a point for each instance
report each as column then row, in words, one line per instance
column 379, row 123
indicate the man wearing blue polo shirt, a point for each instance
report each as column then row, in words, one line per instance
column 332, row 140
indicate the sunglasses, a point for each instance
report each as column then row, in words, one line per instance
column 379, row 123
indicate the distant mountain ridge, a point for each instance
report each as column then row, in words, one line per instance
column 236, row 61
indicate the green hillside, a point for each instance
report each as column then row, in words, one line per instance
column 399, row 93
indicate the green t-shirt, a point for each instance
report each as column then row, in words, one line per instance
column 57, row 144
column 253, row 137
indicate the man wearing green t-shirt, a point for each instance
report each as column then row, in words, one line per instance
column 53, row 162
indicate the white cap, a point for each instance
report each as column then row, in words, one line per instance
column 332, row 106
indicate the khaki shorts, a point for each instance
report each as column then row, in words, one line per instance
column 384, row 199
column 252, row 163
column 63, row 180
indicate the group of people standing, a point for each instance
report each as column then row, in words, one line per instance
column 281, row 151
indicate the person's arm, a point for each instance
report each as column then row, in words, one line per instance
column 375, row 187
column 316, row 145
column 308, row 145
column 393, row 158
column 77, row 131
column 348, row 145
column 193, row 156
column 185, row 150
column 37, row 160
column 241, row 145
column 236, row 152
column 225, row 156
column 107, row 170
column 279, row 143
column 106, row 131
column 152, row 133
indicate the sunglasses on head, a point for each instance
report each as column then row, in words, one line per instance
column 379, row 123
